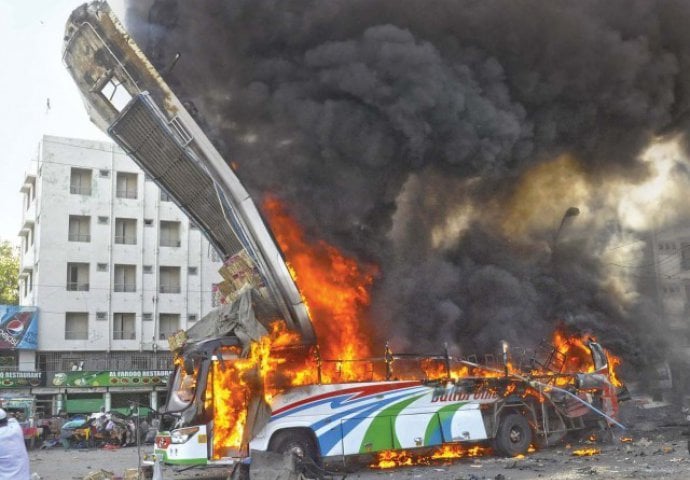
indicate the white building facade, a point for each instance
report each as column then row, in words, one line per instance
column 114, row 267
column 672, row 264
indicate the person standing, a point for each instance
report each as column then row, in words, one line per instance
column 14, row 459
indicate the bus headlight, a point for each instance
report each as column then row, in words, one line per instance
column 183, row 434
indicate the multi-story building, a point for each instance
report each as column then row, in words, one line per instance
column 672, row 264
column 114, row 267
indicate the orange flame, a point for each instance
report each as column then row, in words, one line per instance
column 579, row 358
column 585, row 452
column 334, row 287
column 397, row 458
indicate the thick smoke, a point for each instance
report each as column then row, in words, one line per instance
column 444, row 141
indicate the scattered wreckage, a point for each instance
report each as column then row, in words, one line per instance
column 251, row 376
column 103, row 429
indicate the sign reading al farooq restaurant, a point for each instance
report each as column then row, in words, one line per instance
column 18, row 327
column 127, row 378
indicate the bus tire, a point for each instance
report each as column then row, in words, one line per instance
column 514, row 435
column 296, row 441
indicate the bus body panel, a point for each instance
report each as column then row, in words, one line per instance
column 192, row 452
column 349, row 419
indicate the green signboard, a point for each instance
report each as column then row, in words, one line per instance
column 21, row 379
column 126, row 378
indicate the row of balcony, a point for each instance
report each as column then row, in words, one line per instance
column 117, row 335
column 86, row 190
column 121, row 287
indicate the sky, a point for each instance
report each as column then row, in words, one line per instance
column 33, row 75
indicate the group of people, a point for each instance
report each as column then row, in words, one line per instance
column 14, row 459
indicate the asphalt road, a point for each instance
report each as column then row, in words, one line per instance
column 659, row 455
column 655, row 448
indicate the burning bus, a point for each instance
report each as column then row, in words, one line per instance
column 251, row 375
column 278, row 396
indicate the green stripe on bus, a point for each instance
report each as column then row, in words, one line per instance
column 434, row 430
column 380, row 432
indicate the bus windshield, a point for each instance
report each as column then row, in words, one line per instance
column 182, row 390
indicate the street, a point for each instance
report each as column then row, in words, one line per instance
column 653, row 447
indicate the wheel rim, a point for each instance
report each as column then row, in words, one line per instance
column 516, row 434
column 297, row 450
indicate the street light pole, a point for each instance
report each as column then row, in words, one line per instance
column 571, row 212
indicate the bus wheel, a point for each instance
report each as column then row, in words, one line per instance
column 298, row 442
column 514, row 435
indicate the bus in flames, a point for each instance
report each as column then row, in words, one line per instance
column 224, row 403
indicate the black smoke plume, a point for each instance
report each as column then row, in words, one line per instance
column 410, row 133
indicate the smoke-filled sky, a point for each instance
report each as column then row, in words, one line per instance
column 444, row 141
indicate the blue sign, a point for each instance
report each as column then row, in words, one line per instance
column 18, row 327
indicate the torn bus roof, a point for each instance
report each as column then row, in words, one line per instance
column 126, row 97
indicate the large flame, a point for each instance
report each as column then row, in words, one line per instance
column 335, row 289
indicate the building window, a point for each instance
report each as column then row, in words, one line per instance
column 125, row 278
column 148, row 269
column 141, row 362
column 101, row 315
column 170, row 234
column 148, row 222
column 76, row 326
column 8, row 361
column 215, row 295
column 191, row 317
column 115, row 93
column 101, row 267
column 27, row 284
column 79, row 228
column 103, row 220
column 104, row 173
column 126, row 185
column 126, row 231
column 80, row 181
column 123, row 326
column 147, row 317
column 192, row 270
column 685, row 255
column 169, row 279
column 78, row 277
column 165, row 197
column 168, row 324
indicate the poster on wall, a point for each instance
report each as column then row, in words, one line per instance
column 18, row 327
